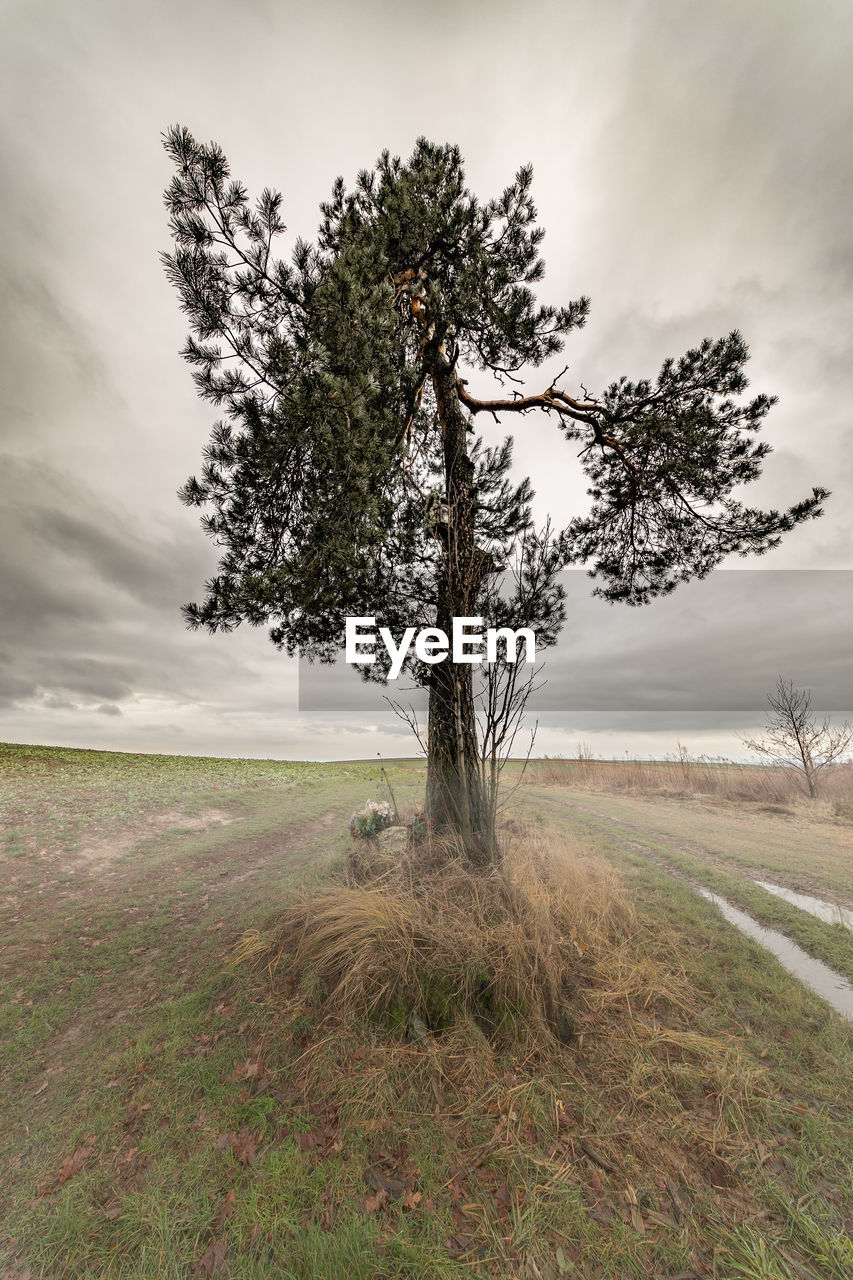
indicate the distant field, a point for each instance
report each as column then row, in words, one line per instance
column 167, row 1116
column 53, row 797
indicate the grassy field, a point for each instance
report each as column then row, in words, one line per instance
column 168, row 1115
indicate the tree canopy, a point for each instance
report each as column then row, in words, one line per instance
column 346, row 476
column 323, row 480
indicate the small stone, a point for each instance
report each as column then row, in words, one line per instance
column 393, row 840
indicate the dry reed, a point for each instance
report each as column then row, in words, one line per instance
column 723, row 779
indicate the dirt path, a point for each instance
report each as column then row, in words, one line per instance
column 149, row 916
column 812, row 856
column 811, row 948
column 128, row 925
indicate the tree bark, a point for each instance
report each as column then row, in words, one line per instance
column 455, row 796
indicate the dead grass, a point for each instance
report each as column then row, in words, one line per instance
column 759, row 784
column 427, row 936
column 532, row 1015
column 640, row 1094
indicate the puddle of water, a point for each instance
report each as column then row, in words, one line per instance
column 830, row 986
column 819, row 907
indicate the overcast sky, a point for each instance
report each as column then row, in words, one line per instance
column 693, row 172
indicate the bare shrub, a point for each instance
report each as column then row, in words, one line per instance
column 793, row 738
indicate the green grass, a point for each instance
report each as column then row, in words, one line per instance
column 831, row 943
column 803, row 843
column 145, row 1047
column 51, row 796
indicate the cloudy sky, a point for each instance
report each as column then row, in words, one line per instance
column 693, row 171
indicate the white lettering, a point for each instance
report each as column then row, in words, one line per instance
column 354, row 638
column 397, row 654
column 431, row 645
column 461, row 641
column 510, row 637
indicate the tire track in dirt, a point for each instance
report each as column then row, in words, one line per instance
column 803, row 957
column 191, row 931
column 699, row 851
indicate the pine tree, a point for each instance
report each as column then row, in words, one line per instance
column 346, row 477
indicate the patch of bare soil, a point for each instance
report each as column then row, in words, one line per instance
column 98, row 851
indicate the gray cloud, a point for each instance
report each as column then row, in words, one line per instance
column 694, row 174
column 707, row 655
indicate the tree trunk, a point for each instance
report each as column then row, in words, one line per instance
column 455, row 796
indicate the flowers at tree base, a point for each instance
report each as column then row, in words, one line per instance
column 420, row 825
column 369, row 821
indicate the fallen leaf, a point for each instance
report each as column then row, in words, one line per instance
column 225, row 1210
column 595, row 1181
column 73, row 1164
column 662, row 1219
column 244, row 1147
column 112, row 1212
column 565, row 1264
column 213, row 1260
column 372, row 1203
column 412, row 1200
column 677, row 1202
column 248, row 1070
column 378, row 1181
column 600, row 1213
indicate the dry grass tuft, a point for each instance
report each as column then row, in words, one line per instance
column 509, row 947
column 543, row 942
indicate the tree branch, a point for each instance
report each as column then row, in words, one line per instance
column 551, row 398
